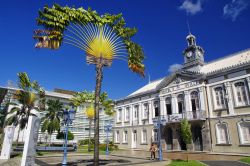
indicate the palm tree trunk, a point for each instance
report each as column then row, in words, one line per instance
column 90, row 121
column 99, row 76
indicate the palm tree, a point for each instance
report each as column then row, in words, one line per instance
column 51, row 121
column 27, row 95
column 86, row 97
column 102, row 37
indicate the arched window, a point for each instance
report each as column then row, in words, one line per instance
column 219, row 98
column 136, row 111
column 195, row 101
column 222, row 133
column 244, row 132
column 168, row 106
column 180, row 100
column 241, row 94
column 156, row 108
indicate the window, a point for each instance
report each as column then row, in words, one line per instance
column 145, row 110
column 117, row 138
column 125, row 136
column 241, row 94
column 119, row 115
column 168, row 106
column 222, row 133
column 244, row 132
column 156, row 108
column 180, row 100
column 136, row 111
column 155, row 135
column 195, row 101
column 219, row 96
column 127, row 112
column 144, row 136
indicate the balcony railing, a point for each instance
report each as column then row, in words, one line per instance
column 190, row 115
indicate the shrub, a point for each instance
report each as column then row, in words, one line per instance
column 60, row 135
column 86, row 142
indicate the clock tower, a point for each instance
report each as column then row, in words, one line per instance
column 193, row 54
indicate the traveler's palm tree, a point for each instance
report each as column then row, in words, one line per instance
column 102, row 37
column 51, row 120
column 86, row 97
column 29, row 93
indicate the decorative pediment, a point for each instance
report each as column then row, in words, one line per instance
column 179, row 77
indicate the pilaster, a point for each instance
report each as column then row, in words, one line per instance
column 229, row 97
column 163, row 111
column 202, row 99
column 174, row 103
column 140, row 114
column 150, row 111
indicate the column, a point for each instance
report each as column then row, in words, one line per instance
column 209, row 99
column 150, row 108
column 229, row 97
column 202, row 103
column 123, row 115
column 248, row 84
column 174, row 104
column 163, row 111
column 176, row 135
column 140, row 114
column 130, row 115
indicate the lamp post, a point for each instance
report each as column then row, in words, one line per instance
column 68, row 117
column 107, row 129
column 157, row 124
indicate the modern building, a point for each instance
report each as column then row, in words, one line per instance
column 80, row 126
column 213, row 97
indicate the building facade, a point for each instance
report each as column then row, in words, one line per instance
column 213, row 97
column 79, row 127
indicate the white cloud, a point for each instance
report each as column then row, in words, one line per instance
column 174, row 67
column 234, row 8
column 191, row 7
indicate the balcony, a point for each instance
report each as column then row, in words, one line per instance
column 190, row 115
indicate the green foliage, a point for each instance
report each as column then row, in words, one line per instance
column 186, row 131
column 246, row 160
column 51, row 122
column 57, row 19
column 86, row 141
column 29, row 93
column 60, row 135
column 89, row 97
column 185, row 163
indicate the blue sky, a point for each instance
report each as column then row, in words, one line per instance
column 221, row 28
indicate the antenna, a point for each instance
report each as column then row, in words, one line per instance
column 188, row 24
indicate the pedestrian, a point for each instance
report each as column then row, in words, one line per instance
column 152, row 150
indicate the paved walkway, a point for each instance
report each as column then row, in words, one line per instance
column 224, row 163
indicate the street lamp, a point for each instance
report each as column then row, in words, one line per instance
column 107, row 129
column 157, row 123
column 68, row 117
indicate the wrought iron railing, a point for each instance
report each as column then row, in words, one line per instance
column 190, row 115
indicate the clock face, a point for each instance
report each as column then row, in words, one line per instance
column 199, row 53
column 189, row 54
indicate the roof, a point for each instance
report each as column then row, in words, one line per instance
column 227, row 62
column 149, row 87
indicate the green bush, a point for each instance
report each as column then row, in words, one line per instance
column 86, row 142
column 60, row 135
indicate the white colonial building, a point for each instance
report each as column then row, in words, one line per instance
column 213, row 96
column 80, row 126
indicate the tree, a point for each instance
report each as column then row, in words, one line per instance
column 186, row 133
column 51, row 121
column 60, row 135
column 29, row 92
column 86, row 97
column 102, row 37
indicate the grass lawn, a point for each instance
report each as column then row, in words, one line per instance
column 185, row 163
column 84, row 149
column 246, row 160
